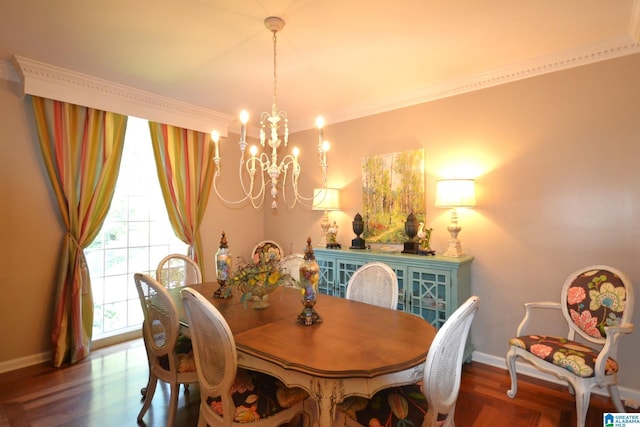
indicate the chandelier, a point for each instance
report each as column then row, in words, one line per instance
column 264, row 173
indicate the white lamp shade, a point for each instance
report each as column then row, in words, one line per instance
column 453, row 193
column 326, row 199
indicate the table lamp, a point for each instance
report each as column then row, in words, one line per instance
column 455, row 193
column 325, row 199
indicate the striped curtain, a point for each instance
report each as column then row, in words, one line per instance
column 184, row 162
column 82, row 149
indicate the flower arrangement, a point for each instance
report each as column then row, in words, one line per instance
column 257, row 280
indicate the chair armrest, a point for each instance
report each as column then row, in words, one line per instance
column 529, row 308
column 612, row 335
column 625, row 328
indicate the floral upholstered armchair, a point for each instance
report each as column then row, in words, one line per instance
column 267, row 251
column 597, row 304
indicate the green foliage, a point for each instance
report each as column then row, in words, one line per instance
column 392, row 187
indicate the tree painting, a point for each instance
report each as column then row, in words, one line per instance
column 392, row 187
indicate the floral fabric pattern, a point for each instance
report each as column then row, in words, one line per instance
column 184, row 356
column 267, row 252
column 257, row 396
column 596, row 299
column 394, row 407
column 571, row 355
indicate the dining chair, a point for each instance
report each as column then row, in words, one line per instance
column 169, row 353
column 374, row 283
column 291, row 264
column 230, row 396
column 266, row 251
column 432, row 401
column 597, row 304
column 177, row 270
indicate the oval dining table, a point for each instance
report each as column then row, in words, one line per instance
column 357, row 349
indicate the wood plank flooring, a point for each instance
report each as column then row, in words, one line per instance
column 105, row 391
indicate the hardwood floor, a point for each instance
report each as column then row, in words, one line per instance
column 105, row 391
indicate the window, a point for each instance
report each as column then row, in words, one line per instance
column 135, row 236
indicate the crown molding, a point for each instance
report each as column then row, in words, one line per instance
column 602, row 51
column 59, row 83
column 62, row 84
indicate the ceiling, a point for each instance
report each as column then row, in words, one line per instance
column 339, row 58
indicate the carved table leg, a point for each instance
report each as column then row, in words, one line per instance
column 327, row 394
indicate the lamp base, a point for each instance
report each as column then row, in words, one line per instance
column 454, row 250
column 325, row 229
column 334, row 246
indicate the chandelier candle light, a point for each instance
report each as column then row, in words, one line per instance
column 455, row 193
column 265, row 170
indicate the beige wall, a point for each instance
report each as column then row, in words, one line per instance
column 556, row 163
column 556, row 159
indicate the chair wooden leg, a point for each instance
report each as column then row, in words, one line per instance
column 583, row 396
column 615, row 398
column 202, row 422
column 151, row 389
column 173, row 403
column 143, row 390
column 511, row 364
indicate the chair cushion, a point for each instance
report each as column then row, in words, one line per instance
column 571, row 355
column 258, row 396
column 186, row 362
column 395, row 406
column 184, row 356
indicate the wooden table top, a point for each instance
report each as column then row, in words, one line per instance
column 354, row 340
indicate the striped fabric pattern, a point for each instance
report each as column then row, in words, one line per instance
column 81, row 149
column 184, row 161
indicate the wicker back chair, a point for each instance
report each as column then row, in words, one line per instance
column 291, row 263
column 432, row 402
column 230, row 396
column 374, row 283
column 169, row 353
column 177, row 270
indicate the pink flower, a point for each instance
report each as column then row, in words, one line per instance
column 216, row 405
column 541, row 350
column 586, row 322
column 576, row 295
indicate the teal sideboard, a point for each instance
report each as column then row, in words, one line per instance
column 429, row 286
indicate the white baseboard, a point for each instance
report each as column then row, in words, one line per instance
column 23, row 362
column 34, row 359
column 627, row 394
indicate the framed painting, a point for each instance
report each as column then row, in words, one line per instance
column 392, row 187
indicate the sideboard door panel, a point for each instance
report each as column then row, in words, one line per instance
column 431, row 294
